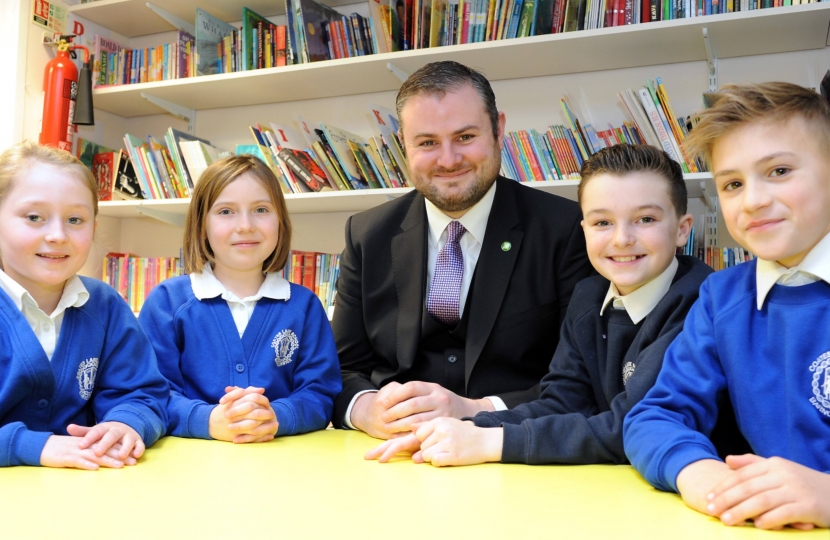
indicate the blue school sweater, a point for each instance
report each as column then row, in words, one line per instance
column 103, row 370
column 287, row 348
column 774, row 363
column 602, row 366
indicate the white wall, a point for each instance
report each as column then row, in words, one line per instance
column 13, row 16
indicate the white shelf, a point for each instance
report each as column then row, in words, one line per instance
column 765, row 31
column 343, row 201
column 132, row 18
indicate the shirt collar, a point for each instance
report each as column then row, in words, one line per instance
column 205, row 285
column 74, row 294
column 641, row 302
column 474, row 220
column 816, row 263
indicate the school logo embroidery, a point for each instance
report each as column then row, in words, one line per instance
column 821, row 383
column 284, row 344
column 86, row 377
column 628, row 371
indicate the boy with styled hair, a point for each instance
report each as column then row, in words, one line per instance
column 760, row 329
column 615, row 333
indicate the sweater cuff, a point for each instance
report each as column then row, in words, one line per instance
column 198, row 421
column 483, row 419
column 285, row 417
column 515, row 445
column 681, row 457
column 28, row 446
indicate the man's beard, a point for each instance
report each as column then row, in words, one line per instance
column 484, row 179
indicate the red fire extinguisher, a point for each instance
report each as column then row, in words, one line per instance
column 62, row 89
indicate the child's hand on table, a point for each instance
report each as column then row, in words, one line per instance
column 243, row 415
column 445, row 441
column 773, row 492
column 109, row 444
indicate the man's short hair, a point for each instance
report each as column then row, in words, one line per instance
column 739, row 104
column 623, row 159
column 438, row 78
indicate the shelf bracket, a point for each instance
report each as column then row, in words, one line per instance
column 708, row 195
column 711, row 60
column 161, row 215
column 188, row 115
column 397, row 72
column 172, row 19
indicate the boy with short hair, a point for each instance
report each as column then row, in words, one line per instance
column 760, row 329
column 615, row 333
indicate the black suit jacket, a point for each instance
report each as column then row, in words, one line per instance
column 519, row 296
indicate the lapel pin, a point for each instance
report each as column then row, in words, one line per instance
column 505, row 246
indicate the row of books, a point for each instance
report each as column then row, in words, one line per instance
column 115, row 64
column 529, row 156
column 169, row 168
column 329, row 158
column 314, row 32
column 304, row 160
column 134, row 277
column 720, row 258
column 559, row 153
column 317, row 272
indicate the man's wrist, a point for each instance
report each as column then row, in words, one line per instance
column 486, row 405
column 349, row 420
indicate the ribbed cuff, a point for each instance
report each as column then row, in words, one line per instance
column 515, row 444
column 198, row 423
column 29, row 445
column 285, row 417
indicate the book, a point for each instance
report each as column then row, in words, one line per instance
column 210, row 34
column 86, row 150
column 198, row 156
column 386, row 125
column 105, row 50
column 253, row 25
column 305, row 168
column 338, row 140
column 103, row 169
column 125, row 181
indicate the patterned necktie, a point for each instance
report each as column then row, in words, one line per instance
column 445, row 290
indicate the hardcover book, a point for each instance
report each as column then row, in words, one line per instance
column 210, row 34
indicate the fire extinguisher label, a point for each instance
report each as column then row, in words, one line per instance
column 70, row 89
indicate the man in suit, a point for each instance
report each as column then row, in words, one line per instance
column 450, row 298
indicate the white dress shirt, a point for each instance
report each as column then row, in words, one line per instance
column 47, row 328
column 475, row 221
column 814, row 267
column 641, row 302
column 205, row 285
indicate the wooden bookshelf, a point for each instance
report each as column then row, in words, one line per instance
column 346, row 201
column 132, row 18
column 767, row 31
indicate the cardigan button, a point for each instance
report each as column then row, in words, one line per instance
column 452, row 359
column 240, row 368
column 43, row 403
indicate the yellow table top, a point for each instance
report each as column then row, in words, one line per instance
column 318, row 486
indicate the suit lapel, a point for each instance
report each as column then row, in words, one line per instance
column 493, row 272
column 408, row 267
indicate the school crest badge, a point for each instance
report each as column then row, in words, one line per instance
column 284, row 345
column 628, row 371
column 87, row 371
column 821, row 383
